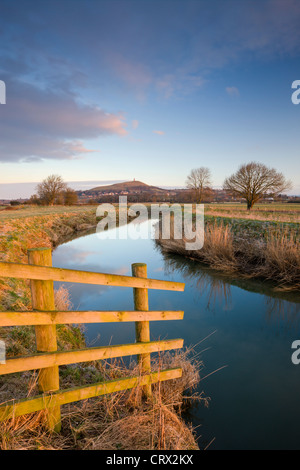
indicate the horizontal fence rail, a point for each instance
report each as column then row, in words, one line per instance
column 31, row 405
column 77, row 317
column 44, row 317
column 42, row 273
column 40, row 361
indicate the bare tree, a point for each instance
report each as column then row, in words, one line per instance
column 50, row 188
column 255, row 181
column 199, row 181
column 70, row 197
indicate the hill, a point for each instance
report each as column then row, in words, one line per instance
column 129, row 187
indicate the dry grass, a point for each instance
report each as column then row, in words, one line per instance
column 36, row 228
column 27, row 211
column 263, row 212
column 218, row 249
column 275, row 257
column 280, row 260
column 20, row 340
column 120, row 421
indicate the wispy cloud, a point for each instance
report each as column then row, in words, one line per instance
column 182, row 83
column 159, row 132
column 232, row 91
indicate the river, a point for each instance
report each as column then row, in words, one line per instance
column 242, row 331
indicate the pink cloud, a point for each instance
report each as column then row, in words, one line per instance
column 38, row 124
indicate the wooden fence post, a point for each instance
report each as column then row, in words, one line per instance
column 142, row 328
column 43, row 299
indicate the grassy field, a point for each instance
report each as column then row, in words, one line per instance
column 16, row 212
column 275, row 211
column 269, row 212
column 262, row 221
column 35, row 227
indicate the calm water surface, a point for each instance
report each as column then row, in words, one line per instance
column 243, row 333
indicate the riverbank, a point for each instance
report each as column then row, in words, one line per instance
column 21, row 230
column 120, row 421
column 250, row 249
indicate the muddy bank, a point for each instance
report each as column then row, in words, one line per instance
column 65, row 230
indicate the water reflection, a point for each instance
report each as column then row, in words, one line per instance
column 217, row 288
column 279, row 310
column 255, row 399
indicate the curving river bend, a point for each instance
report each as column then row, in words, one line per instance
column 242, row 330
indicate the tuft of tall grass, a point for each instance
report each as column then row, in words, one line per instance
column 274, row 256
column 282, row 259
column 218, row 248
column 119, row 421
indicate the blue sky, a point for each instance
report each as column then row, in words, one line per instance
column 116, row 89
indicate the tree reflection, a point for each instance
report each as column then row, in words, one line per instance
column 279, row 305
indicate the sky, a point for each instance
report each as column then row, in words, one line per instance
column 112, row 90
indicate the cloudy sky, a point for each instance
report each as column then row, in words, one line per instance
column 104, row 90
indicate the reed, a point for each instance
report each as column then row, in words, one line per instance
column 273, row 255
column 121, row 421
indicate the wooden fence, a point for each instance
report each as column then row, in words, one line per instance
column 45, row 318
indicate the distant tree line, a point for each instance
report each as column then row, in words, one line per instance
column 180, row 196
column 252, row 183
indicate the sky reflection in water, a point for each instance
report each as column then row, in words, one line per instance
column 248, row 328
